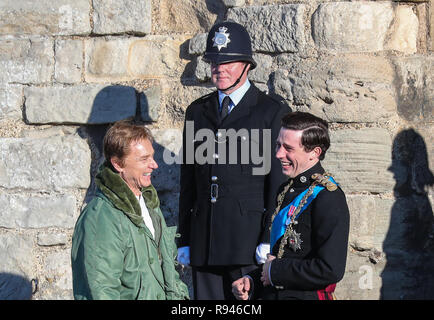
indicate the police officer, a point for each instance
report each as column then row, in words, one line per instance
column 224, row 203
column 310, row 225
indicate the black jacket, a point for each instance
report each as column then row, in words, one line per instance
column 324, row 228
column 227, row 231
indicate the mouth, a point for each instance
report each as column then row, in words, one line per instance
column 286, row 164
column 147, row 174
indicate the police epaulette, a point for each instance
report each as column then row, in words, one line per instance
column 323, row 179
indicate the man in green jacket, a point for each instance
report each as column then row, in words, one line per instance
column 121, row 247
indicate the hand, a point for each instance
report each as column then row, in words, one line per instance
column 184, row 256
column 265, row 276
column 241, row 288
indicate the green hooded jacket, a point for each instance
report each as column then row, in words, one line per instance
column 114, row 255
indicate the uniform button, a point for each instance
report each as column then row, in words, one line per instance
column 215, row 156
column 291, row 190
column 218, row 134
column 303, row 179
column 213, row 178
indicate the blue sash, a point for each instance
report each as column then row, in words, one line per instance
column 283, row 218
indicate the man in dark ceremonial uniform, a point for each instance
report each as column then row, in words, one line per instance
column 229, row 174
column 310, row 225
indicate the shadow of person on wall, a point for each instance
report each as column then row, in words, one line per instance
column 16, row 287
column 409, row 243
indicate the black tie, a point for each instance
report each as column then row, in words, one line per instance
column 225, row 107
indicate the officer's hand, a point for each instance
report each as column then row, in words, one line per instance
column 241, row 288
column 265, row 275
column 184, row 256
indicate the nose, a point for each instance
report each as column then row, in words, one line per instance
column 279, row 152
column 154, row 164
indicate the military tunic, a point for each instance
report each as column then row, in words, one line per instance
column 323, row 228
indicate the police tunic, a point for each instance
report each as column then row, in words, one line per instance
column 223, row 207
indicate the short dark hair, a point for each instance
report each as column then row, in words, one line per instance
column 118, row 138
column 315, row 130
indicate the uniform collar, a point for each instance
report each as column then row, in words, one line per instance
column 304, row 179
column 237, row 95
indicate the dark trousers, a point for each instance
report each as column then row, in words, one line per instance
column 215, row 282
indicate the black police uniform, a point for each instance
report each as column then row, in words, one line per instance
column 223, row 208
column 324, row 228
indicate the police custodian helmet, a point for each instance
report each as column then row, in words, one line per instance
column 228, row 42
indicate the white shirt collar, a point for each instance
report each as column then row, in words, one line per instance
column 235, row 96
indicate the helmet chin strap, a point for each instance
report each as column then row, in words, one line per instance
column 237, row 81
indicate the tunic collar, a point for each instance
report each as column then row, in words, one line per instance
column 304, row 179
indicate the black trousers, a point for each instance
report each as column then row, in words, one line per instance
column 215, row 282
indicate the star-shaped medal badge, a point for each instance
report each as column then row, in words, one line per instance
column 294, row 240
column 221, row 38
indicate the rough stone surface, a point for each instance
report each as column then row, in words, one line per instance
column 349, row 88
column 97, row 104
column 24, row 211
column 414, row 82
column 370, row 221
column 405, row 30
column 69, row 61
column 17, row 267
column 150, row 100
column 106, row 59
column 352, row 27
column 11, row 99
column 118, row 16
column 44, row 164
column 62, row 17
column 273, row 28
column 26, row 61
column 52, row 239
column 359, row 160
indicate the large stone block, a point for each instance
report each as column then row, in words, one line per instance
column 11, row 99
column 360, row 160
column 185, row 16
column 124, row 59
column 414, row 86
column 404, row 31
column 90, row 104
column 27, row 211
column 370, row 222
column 348, row 88
column 46, row 17
column 156, row 57
column 26, row 61
column 45, row 164
column 167, row 154
column 107, row 59
column 119, row 16
column 16, row 267
column 278, row 28
column 352, row 26
column 69, row 60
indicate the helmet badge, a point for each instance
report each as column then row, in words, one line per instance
column 221, row 38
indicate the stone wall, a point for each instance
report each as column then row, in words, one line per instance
column 69, row 68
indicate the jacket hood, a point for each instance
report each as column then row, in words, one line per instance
column 120, row 195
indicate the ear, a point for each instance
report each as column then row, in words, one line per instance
column 116, row 163
column 315, row 153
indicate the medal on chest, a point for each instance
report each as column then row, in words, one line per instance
column 294, row 239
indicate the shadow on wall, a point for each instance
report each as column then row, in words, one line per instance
column 409, row 243
column 16, row 287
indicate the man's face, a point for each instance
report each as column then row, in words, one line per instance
column 138, row 165
column 292, row 155
column 224, row 75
